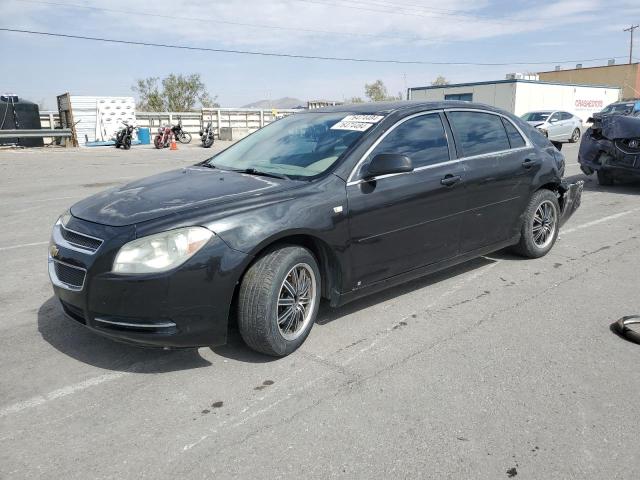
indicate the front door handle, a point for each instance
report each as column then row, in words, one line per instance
column 450, row 180
column 528, row 163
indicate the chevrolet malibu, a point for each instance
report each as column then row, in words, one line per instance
column 335, row 203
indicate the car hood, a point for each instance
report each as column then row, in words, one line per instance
column 173, row 192
column 536, row 123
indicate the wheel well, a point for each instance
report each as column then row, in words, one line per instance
column 328, row 263
column 555, row 188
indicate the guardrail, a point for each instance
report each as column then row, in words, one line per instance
column 36, row 133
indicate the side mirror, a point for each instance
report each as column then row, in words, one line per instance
column 386, row 163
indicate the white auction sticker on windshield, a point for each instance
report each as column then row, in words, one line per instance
column 363, row 118
column 355, row 126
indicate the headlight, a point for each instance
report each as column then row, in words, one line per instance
column 161, row 252
column 64, row 218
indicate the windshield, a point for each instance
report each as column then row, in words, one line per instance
column 618, row 108
column 300, row 145
column 535, row 116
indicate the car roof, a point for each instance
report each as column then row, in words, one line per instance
column 385, row 108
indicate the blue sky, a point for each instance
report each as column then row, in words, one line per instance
column 39, row 68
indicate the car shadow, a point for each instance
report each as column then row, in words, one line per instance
column 627, row 186
column 75, row 341
column 328, row 314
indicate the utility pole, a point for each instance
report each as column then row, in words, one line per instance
column 630, row 30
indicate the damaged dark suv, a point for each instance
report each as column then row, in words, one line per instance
column 611, row 148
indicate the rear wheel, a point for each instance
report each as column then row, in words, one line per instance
column 540, row 225
column 575, row 136
column 605, row 178
column 278, row 300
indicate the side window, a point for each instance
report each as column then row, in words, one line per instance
column 555, row 117
column 478, row 133
column 565, row 116
column 422, row 139
column 515, row 139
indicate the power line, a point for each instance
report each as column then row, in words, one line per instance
column 289, row 55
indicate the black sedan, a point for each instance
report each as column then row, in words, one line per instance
column 334, row 203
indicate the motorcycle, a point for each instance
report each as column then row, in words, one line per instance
column 207, row 136
column 180, row 134
column 163, row 137
column 124, row 136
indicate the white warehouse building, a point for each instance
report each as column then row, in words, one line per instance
column 521, row 96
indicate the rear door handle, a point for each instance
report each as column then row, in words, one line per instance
column 450, row 180
column 528, row 163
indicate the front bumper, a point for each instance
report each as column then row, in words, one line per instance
column 604, row 154
column 186, row 307
column 571, row 199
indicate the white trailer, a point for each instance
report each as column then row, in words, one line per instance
column 522, row 96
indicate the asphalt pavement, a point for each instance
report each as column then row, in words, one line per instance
column 497, row 368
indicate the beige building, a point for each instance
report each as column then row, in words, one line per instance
column 626, row 77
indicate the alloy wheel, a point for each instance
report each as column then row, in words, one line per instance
column 296, row 301
column 544, row 224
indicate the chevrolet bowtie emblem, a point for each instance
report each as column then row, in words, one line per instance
column 53, row 250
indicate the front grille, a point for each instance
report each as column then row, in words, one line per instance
column 69, row 275
column 79, row 240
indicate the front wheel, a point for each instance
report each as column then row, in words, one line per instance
column 207, row 141
column 575, row 136
column 184, row 137
column 158, row 143
column 126, row 144
column 540, row 225
column 278, row 300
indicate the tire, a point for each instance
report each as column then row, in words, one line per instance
column 184, row 137
column 575, row 136
column 535, row 243
column 158, row 143
column 267, row 326
column 127, row 143
column 604, row 178
column 207, row 142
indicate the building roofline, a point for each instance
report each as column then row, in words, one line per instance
column 589, row 68
column 495, row 82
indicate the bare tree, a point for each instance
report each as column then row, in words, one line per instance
column 440, row 80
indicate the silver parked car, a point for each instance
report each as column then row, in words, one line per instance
column 558, row 126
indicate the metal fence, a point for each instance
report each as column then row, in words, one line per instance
column 241, row 121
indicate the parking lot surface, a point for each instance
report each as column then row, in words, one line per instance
column 495, row 368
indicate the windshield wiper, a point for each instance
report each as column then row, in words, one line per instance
column 253, row 171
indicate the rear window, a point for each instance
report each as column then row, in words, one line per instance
column 478, row 133
column 515, row 139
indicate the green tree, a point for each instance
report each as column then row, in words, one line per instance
column 377, row 92
column 179, row 93
column 149, row 97
column 440, row 80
